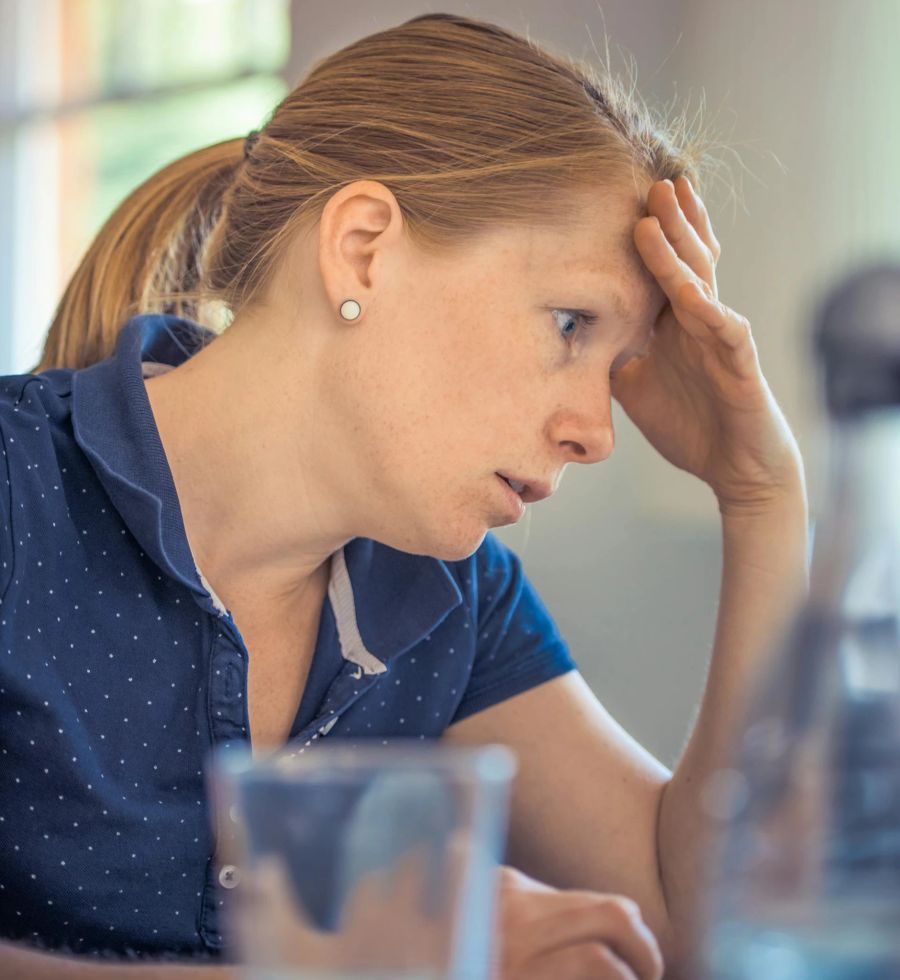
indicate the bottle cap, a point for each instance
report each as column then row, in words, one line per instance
column 857, row 336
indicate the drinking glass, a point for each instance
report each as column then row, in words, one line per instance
column 361, row 862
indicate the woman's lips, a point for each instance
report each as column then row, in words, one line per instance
column 531, row 490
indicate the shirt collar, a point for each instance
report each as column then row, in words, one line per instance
column 384, row 600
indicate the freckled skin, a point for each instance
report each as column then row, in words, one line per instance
column 461, row 371
column 393, row 425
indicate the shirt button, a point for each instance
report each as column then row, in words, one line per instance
column 229, row 876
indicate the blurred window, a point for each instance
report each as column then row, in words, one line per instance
column 96, row 95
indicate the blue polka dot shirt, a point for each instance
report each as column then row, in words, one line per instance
column 120, row 669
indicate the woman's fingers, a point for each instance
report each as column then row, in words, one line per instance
column 732, row 329
column 672, row 273
column 692, row 299
column 678, row 267
column 537, row 923
column 664, row 203
column 613, row 921
column 695, row 211
column 589, row 961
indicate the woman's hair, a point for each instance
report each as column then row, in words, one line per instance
column 469, row 125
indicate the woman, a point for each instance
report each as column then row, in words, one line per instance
column 444, row 254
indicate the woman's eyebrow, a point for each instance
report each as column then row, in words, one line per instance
column 642, row 350
column 619, row 307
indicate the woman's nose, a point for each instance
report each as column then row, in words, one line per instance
column 585, row 433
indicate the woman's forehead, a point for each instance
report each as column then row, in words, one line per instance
column 598, row 233
column 592, row 258
column 608, row 268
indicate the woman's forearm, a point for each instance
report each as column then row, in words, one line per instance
column 764, row 578
column 23, row 963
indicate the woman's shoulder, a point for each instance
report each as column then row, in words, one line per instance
column 34, row 433
column 21, row 392
column 30, row 403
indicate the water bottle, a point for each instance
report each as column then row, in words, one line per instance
column 806, row 880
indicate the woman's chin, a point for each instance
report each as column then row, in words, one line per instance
column 452, row 542
column 450, row 534
column 462, row 552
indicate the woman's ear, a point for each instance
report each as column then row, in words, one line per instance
column 359, row 226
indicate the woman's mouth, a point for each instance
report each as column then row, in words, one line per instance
column 530, row 490
column 513, row 498
column 517, row 485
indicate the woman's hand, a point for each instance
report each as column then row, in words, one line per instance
column 699, row 395
column 570, row 935
column 385, row 925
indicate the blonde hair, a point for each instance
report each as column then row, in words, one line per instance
column 468, row 124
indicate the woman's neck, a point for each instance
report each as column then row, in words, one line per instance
column 259, row 524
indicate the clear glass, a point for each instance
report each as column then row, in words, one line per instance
column 808, row 883
column 354, row 860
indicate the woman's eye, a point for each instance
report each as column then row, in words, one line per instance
column 568, row 322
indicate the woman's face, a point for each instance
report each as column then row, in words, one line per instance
column 462, row 368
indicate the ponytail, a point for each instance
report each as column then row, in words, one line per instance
column 147, row 258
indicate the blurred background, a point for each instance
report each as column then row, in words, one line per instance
column 95, row 95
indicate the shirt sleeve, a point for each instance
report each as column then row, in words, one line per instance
column 518, row 644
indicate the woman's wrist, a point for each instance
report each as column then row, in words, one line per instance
column 771, row 539
column 784, row 496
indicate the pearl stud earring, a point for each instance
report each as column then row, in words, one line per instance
column 350, row 309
